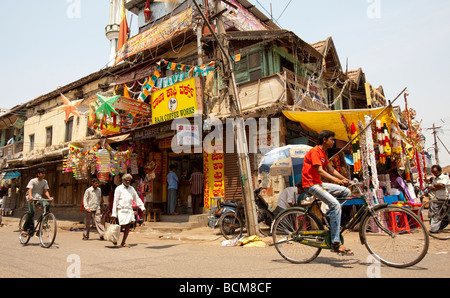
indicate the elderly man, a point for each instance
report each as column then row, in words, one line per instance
column 124, row 196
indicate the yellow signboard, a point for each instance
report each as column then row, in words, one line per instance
column 214, row 173
column 181, row 100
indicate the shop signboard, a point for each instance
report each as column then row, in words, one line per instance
column 188, row 135
column 181, row 100
column 156, row 35
column 133, row 106
column 214, row 175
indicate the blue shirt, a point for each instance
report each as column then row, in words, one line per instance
column 172, row 180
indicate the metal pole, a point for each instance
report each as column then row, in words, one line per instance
column 241, row 138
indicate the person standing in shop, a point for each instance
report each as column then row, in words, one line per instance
column 196, row 181
column 172, row 187
column 92, row 204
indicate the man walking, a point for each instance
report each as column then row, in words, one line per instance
column 91, row 202
column 124, row 196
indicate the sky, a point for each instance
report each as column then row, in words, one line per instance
column 397, row 43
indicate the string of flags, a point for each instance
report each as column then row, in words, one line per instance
column 155, row 82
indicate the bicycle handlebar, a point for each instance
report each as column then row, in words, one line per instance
column 42, row 200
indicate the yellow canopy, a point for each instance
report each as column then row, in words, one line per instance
column 318, row 121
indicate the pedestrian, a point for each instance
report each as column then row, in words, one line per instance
column 122, row 210
column 315, row 167
column 37, row 187
column 172, row 189
column 288, row 198
column 196, row 181
column 92, row 206
column 438, row 186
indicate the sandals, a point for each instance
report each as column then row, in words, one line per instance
column 341, row 250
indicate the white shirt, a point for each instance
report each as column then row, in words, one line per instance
column 92, row 198
column 124, row 198
column 441, row 193
column 288, row 196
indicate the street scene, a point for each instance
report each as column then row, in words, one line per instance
column 169, row 251
column 227, row 139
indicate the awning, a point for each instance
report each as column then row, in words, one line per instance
column 11, row 175
column 337, row 121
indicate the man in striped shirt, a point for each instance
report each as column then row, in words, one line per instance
column 196, row 189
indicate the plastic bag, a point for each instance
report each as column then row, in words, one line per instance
column 251, row 241
column 112, row 233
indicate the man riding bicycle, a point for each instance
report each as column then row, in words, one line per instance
column 315, row 167
column 36, row 187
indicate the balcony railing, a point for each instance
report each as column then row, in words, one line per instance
column 10, row 152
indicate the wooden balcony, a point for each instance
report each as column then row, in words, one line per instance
column 10, row 152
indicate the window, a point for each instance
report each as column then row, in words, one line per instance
column 31, row 142
column 251, row 66
column 49, row 136
column 69, row 129
column 331, row 98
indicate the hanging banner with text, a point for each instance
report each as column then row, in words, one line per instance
column 214, row 173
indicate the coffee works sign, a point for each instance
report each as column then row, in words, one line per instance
column 181, row 100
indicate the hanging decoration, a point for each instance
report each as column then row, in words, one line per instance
column 356, row 150
column 106, row 107
column 69, row 107
column 147, row 12
column 184, row 72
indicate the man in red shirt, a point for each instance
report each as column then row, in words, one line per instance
column 316, row 167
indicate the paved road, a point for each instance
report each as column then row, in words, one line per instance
column 154, row 257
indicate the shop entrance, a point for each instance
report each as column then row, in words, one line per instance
column 185, row 164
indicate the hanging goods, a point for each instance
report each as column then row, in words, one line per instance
column 356, row 150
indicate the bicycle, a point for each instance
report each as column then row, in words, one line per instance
column 232, row 223
column 45, row 226
column 394, row 236
column 438, row 210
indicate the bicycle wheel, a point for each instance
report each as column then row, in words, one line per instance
column 265, row 219
column 47, row 232
column 435, row 215
column 288, row 244
column 403, row 240
column 231, row 225
column 24, row 237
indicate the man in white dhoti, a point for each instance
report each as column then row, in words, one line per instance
column 124, row 196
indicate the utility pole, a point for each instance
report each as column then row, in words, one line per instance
column 241, row 137
column 436, row 149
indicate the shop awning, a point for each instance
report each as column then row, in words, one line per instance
column 11, row 175
column 318, row 121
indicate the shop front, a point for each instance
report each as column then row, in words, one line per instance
column 375, row 150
